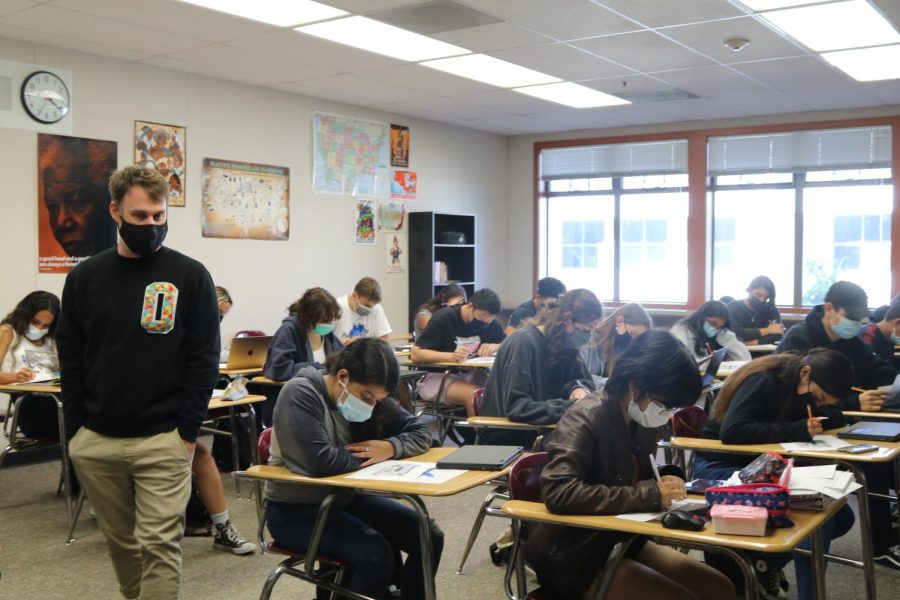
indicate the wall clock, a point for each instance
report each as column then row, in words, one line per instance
column 45, row 97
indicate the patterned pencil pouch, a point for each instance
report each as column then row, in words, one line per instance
column 765, row 468
column 774, row 498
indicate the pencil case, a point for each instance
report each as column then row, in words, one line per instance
column 765, row 468
column 739, row 520
column 774, row 498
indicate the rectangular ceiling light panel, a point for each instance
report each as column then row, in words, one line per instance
column 490, row 70
column 274, row 12
column 572, row 94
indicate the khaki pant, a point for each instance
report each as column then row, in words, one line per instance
column 138, row 488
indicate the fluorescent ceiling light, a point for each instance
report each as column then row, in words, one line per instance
column 490, row 70
column 381, row 38
column 572, row 94
column 761, row 5
column 868, row 64
column 274, row 12
column 837, row 26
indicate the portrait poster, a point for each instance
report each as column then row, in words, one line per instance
column 73, row 200
column 399, row 145
column 245, row 200
column 391, row 215
column 364, row 222
column 403, row 184
column 397, row 255
column 163, row 148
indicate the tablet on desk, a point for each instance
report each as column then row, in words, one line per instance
column 879, row 431
column 480, row 458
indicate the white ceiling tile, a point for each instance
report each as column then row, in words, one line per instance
column 514, row 125
column 506, row 100
column 763, row 103
column 654, row 13
column 851, row 95
column 305, row 89
column 643, row 51
column 51, row 39
column 180, row 65
column 561, row 19
column 447, row 108
column 427, row 80
column 371, row 90
column 627, row 84
column 11, row 6
column 889, row 91
column 709, row 38
column 294, row 45
column 227, row 58
column 89, row 28
column 805, row 72
column 563, row 61
column 493, row 37
column 711, row 81
column 698, row 109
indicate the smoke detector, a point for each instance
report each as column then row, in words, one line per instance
column 736, row 44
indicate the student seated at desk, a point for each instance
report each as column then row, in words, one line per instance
column 549, row 291
column 769, row 401
column 451, row 334
column 28, row 334
column 306, row 336
column 538, row 374
column 755, row 319
column 611, row 338
column 362, row 314
column 336, row 422
column 706, row 330
column 449, row 295
column 598, row 464
column 882, row 336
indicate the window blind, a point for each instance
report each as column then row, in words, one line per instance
column 611, row 160
column 853, row 148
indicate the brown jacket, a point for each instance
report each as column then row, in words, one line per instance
column 593, row 457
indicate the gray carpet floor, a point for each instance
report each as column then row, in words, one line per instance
column 35, row 562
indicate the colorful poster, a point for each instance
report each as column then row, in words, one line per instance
column 397, row 257
column 164, row 148
column 73, row 200
column 245, row 200
column 364, row 222
column 399, row 145
column 391, row 215
column 403, row 184
column 350, row 156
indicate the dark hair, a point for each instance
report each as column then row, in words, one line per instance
column 829, row 369
column 765, row 283
column 369, row 289
column 486, row 299
column 582, row 306
column 605, row 334
column 316, row 305
column 893, row 311
column 694, row 322
column 659, row 365
column 150, row 180
column 369, row 361
column 550, row 287
column 451, row 290
column 20, row 317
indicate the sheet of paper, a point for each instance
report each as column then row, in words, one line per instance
column 820, row 442
column 642, row 517
column 480, row 360
column 820, row 471
column 406, row 472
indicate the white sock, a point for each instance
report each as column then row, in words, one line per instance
column 219, row 518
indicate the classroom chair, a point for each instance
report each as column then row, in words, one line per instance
column 330, row 572
column 524, row 484
column 687, row 422
column 250, row 333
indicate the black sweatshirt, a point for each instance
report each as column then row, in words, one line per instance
column 138, row 344
column 746, row 323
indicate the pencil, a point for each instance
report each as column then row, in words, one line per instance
column 809, row 411
column 858, row 390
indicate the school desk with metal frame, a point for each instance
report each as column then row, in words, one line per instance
column 246, row 407
column 408, row 492
column 887, row 452
column 806, row 523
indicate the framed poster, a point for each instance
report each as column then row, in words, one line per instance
column 73, row 200
column 399, row 145
column 163, row 148
column 245, row 200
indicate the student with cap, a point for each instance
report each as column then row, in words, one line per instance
column 882, row 336
column 549, row 291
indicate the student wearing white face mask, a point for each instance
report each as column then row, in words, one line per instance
column 706, row 330
column 28, row 333
column 336, row 422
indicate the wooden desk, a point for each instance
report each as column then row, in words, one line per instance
column 887, row 452
column 762, row 349
column 263, row 380
column 466, row 364
column 786, row 539
column 408, row 492
column 481, row 423
column 873, row 416
column 232, row 373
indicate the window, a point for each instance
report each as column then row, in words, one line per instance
column 579, row 251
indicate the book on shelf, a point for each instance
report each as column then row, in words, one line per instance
column 440, row 273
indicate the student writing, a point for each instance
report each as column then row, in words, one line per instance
column 755, row 319
column 706, row 330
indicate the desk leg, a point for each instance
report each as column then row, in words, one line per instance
column 897, row 490
column 818, row 564
column 313, row 549
column 232, row 421
column 865, row 530
column 424, row 542
column 64, row 453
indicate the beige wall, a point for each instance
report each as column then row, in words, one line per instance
column 460, row 170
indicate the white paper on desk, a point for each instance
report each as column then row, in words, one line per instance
column 805, row 480
column 820, row 442
column 641, row 517
column 817, row 471
column 480, row 360
column 405, row 471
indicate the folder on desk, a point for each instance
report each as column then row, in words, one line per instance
column 480, row 458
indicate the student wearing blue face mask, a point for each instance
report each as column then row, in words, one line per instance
column 706, row 330
column 538, row 373
column 336, row 422
column 882, row 336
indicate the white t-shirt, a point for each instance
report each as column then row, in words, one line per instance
column 374, row 324
column 15, row 358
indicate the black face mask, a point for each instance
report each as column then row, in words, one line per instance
column 756, row 303
column 143, row 240
column 477, row 326
column 622, row 340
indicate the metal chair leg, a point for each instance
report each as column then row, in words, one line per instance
column 476, row 526
column 78, row 506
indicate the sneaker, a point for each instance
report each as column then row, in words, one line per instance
column 889, row 558
column 769, row 582
column 194, row 530
column 229, row 540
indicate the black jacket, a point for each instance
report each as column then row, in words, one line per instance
column 746, row 322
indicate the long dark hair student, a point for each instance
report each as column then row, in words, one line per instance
column 615, row 333
column 317, row 305
column 451, row 291
column 763, row 282
column 21, row 316
column 713, row 310
column 577, row 306
column 830, row 370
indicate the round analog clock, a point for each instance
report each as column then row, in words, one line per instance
column 45, row 97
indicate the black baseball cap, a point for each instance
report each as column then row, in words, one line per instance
column 850, row 297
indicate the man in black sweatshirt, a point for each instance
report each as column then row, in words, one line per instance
column 138, row 343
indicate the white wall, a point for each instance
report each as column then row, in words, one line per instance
column 521, row 177
column 459, row 170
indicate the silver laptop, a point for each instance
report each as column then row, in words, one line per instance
column 248, row 352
